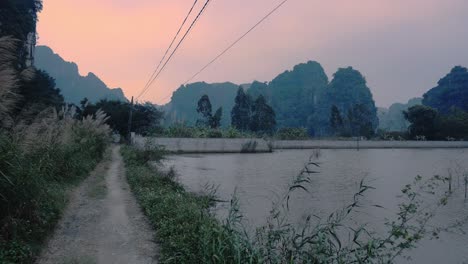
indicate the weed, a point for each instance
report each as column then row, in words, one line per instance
column 188, row 232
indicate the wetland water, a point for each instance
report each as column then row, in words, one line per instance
column 260, row 179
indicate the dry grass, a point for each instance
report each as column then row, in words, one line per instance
column 8, row 79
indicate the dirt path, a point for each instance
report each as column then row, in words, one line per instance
column 103, row 223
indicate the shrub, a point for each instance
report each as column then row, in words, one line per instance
column 292, row 133
column 38, row 165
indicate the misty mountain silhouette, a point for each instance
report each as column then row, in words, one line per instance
column 72, row 85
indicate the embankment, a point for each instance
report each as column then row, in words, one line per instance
column 255, row 145
column 205, row 145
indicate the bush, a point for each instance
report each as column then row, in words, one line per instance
column 184, row 131
column 292, row 133
column 392, row 135
column 38, row 165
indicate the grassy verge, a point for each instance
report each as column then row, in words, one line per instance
column 189, row 233
column 182, row 219
column 38, row 168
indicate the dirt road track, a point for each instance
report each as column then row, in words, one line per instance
column 103, row 223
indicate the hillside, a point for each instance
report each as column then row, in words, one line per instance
column 392, row 119
column 72, row 85
column 183, row 105
column 301, row 97
column 451, row 92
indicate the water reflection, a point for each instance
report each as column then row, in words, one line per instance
column 262, row 178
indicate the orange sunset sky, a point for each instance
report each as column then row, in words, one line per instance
column 403, row 47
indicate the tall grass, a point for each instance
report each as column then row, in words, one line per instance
column 189, row 232
column 39, row 162
column 8, row 80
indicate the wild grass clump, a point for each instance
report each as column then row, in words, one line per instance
column 292, row 133
column 185, row 131
column 188, row 231
column 39, row 162
column 179, row 217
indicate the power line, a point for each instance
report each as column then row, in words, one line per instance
column 172, row 43
column 237, row 41
column 176, row 48
column 232, row 45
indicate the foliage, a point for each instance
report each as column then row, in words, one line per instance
column 347, row 91
column 8, row 80
column 392, row 135
column 258, row 88
column 454, row 125
column 301, row 97
column 23, row 92
column 451, row 91
column 242, row 111
column 43, row 151
column 181, row 218
column 393, row 119
column 358, row 122
column 145, row 117
column 37, row 94
column 18, row 19
column 423, row 121
column 38, row 164
column 336, row 121
column 292, row 133
column 183, row 105
column 185, row 131
column 215, row 121
column 263, row 117
column 188, row 231
column 204, row 110
column 426, row 121
column 207, row 119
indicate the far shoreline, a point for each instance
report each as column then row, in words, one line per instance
column 258, row 145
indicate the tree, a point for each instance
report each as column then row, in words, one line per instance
column 263, row 117
column 453, row 125
column 423, row 121
column 336, row 121
column 358, row 122
column 347, row 89
column 215, row 122
column 37, row 93
column 18, row 19
column 146, row 117
column 241, row 112
column 204, row 109
column 184, row 101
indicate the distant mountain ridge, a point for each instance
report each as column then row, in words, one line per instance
column 72, row 85
column 301, row 97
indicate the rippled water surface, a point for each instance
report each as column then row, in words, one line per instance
column 260, row 179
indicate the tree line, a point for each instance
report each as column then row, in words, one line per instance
column 247, row 115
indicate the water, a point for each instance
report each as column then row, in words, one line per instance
column 260, row 179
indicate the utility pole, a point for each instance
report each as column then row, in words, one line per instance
column 130, row 116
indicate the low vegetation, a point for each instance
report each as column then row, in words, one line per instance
column 43, row 153
column 185, row 131
column 189, row 232
column 39, row 164
column 292, row 133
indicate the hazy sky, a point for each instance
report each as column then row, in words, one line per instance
column 403, row 47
